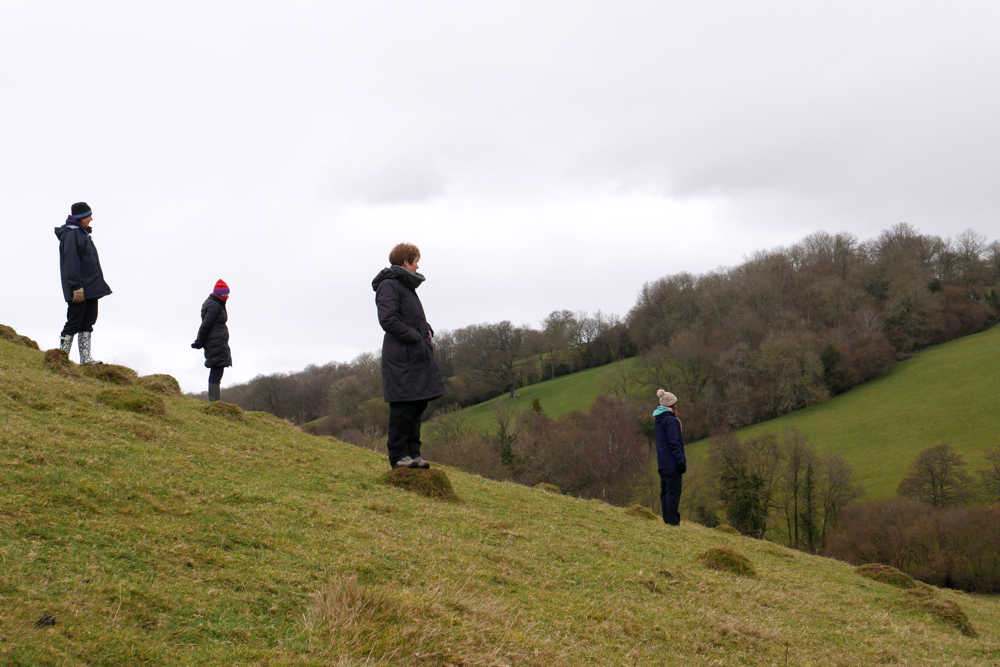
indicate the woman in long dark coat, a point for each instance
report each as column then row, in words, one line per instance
column 410, row 375
column 671, row 462
column 213, row 337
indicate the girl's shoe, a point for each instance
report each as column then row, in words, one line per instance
column 420, row 463
column 405, row 462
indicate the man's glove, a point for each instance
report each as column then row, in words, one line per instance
column 196, row 345
column 682, row 468
column 78, row 295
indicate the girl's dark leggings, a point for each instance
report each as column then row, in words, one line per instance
column 215, row 374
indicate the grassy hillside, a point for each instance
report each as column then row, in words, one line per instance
column 947, row 394
column 557, row 396
column 175, row 535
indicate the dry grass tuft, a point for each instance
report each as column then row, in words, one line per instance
column 8, row 333
column 132, row 399
column 887, row 575
column 58, row 362
column 433, row 483
column 161, row 384
column 941, row 608
column 641, row 512
column 548, row 488
column 225, row 410
column 112, row 374
column 727, row 560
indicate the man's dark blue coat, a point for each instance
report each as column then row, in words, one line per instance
column 79, row 265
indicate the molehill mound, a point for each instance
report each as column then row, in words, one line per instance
column 943, row 609
column 727, row 560
column 132, row 399
column 225, row 410
column 8, row 333
column 161, row 384
column 433, row 483
column 58, row 362
column 641, row 512
column 886, row 575
column 112, row 374
column 726, row 528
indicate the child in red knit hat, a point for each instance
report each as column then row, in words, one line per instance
column 213, row 337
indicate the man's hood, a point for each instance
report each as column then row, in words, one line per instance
column 67, row 226
column 398, row 273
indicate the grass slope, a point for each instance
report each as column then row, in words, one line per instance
column 557, row 396
column 943, row 395
column 223, row 537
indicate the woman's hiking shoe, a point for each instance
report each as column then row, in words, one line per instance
column 420, row 463
column 405, row 462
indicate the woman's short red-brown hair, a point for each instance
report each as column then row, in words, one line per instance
column 404, row 252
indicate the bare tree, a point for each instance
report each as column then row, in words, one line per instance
column 938, row 478
column 991, row 475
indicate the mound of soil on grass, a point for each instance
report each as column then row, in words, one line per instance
column 641, row 512
column 161, row 384
column 548, row 488
column 886, row 575
column 225, row 410
column 726, row 528
column 943, row 609
column 132, row 399
column 58, row 362
column 727, row 560
column 120, row 375
column 8, row 333
column 433, row 483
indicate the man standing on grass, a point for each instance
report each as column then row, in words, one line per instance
column 410, row 375
column 82, row 280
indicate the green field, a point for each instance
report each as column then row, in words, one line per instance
column 943, row 395
column 947, row 394
column 557, row 396
column 193, row 537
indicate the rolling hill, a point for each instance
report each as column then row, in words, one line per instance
column 557, row 396
column 943, row 395
column 142, row 527
column 946, row 394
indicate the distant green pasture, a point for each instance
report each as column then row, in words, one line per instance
column 944, row 395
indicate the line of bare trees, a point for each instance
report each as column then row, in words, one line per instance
column 941, row 530
column 787, row 328
column 791, row 326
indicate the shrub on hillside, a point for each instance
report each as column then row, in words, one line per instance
column 955, row 547
column 7, row 333
column 161, row 384
column 111, row 373
column 548, row 488
column 132, row 399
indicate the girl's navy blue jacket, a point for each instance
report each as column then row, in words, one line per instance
column 669, row 440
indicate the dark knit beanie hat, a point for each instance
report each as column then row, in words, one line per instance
column 81, row 210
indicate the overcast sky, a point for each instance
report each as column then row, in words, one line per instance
column 543, row 155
